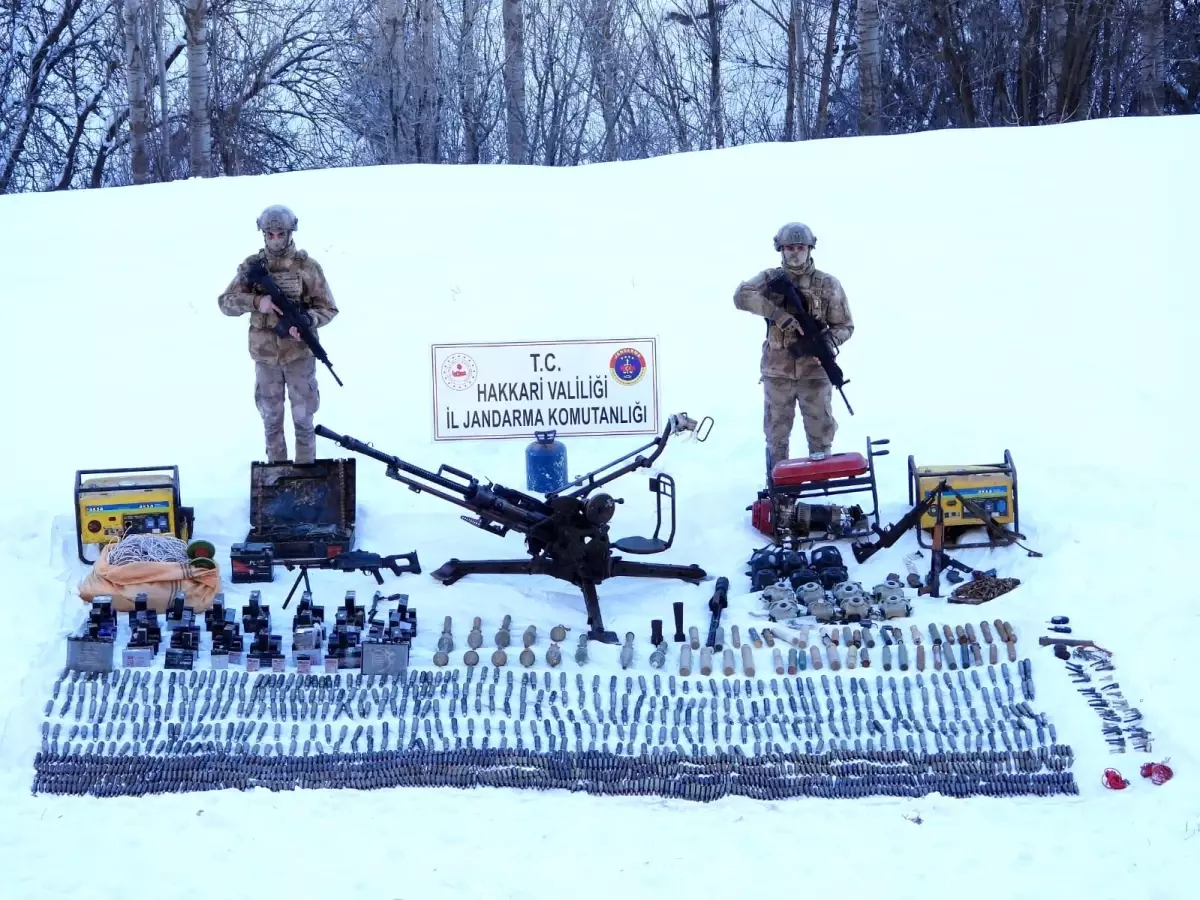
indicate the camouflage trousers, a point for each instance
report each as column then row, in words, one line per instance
column 299, row 379
column 780, row 397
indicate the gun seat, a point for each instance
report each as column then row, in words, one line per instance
column 642, row 545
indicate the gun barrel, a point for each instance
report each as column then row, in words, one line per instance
column 496, row 503
column 395, row 462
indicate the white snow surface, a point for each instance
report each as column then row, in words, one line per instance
column 1028, row 289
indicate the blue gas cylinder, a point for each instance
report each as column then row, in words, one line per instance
column 545, row 463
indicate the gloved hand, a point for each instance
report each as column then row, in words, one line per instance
column 786, row 321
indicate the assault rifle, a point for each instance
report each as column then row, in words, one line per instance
column 352, row 561
column 566, row 534
column 814, row 341
column 292, row 315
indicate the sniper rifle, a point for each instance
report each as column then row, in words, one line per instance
column 566, row 534
column 814, row 339
column 291, row 314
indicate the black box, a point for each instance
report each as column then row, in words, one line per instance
column 251, row 562
column 303, row 511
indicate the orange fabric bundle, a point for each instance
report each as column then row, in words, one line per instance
column 159, row 581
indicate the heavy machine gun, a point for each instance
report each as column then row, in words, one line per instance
column 566, row 534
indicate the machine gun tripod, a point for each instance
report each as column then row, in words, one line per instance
column 566, row 535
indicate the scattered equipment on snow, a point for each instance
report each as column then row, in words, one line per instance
column 782, row 512
column 137, row 500
column 990, row 487
column 566, row 535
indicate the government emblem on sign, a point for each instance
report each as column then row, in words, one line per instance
column 459, row 372
column 627, row 366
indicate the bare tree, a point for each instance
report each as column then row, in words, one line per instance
column 869, row 68
column 827, row 69
column 514, row 80
column 195, row 14
column 706, row 25
column 133, row 13
column 1151, row 85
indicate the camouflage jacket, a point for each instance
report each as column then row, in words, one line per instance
column 826, row 300
column 301, row 278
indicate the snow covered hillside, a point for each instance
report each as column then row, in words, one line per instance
column 1028, row 289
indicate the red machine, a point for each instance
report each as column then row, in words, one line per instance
column 782, row 512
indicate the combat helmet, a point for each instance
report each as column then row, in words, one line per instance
column 794, row 233
column 278, row 218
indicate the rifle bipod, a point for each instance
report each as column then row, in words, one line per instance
column 454, row 569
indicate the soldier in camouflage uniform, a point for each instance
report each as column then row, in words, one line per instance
column 282, row 363
column 787, row 380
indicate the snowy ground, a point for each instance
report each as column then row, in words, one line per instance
column 1021, row 289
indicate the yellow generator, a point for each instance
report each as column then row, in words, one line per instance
column 116, row 502
column 993, row 487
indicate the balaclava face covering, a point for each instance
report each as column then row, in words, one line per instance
column 794, row 256
column 278, row 243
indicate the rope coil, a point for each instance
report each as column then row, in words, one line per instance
column 157, row 548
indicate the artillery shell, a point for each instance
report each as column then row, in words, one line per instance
column 727, row 663
column 747, row 661
column 768, row 637
column 736, row 637
column 685, row 660
column 815, row 655
column 777, row 659
column 499, row 658
column 694, row 637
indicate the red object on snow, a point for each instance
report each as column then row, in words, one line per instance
column 762, row 516
column 1114, row 780
column 790, row 472
column 1157, row 772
